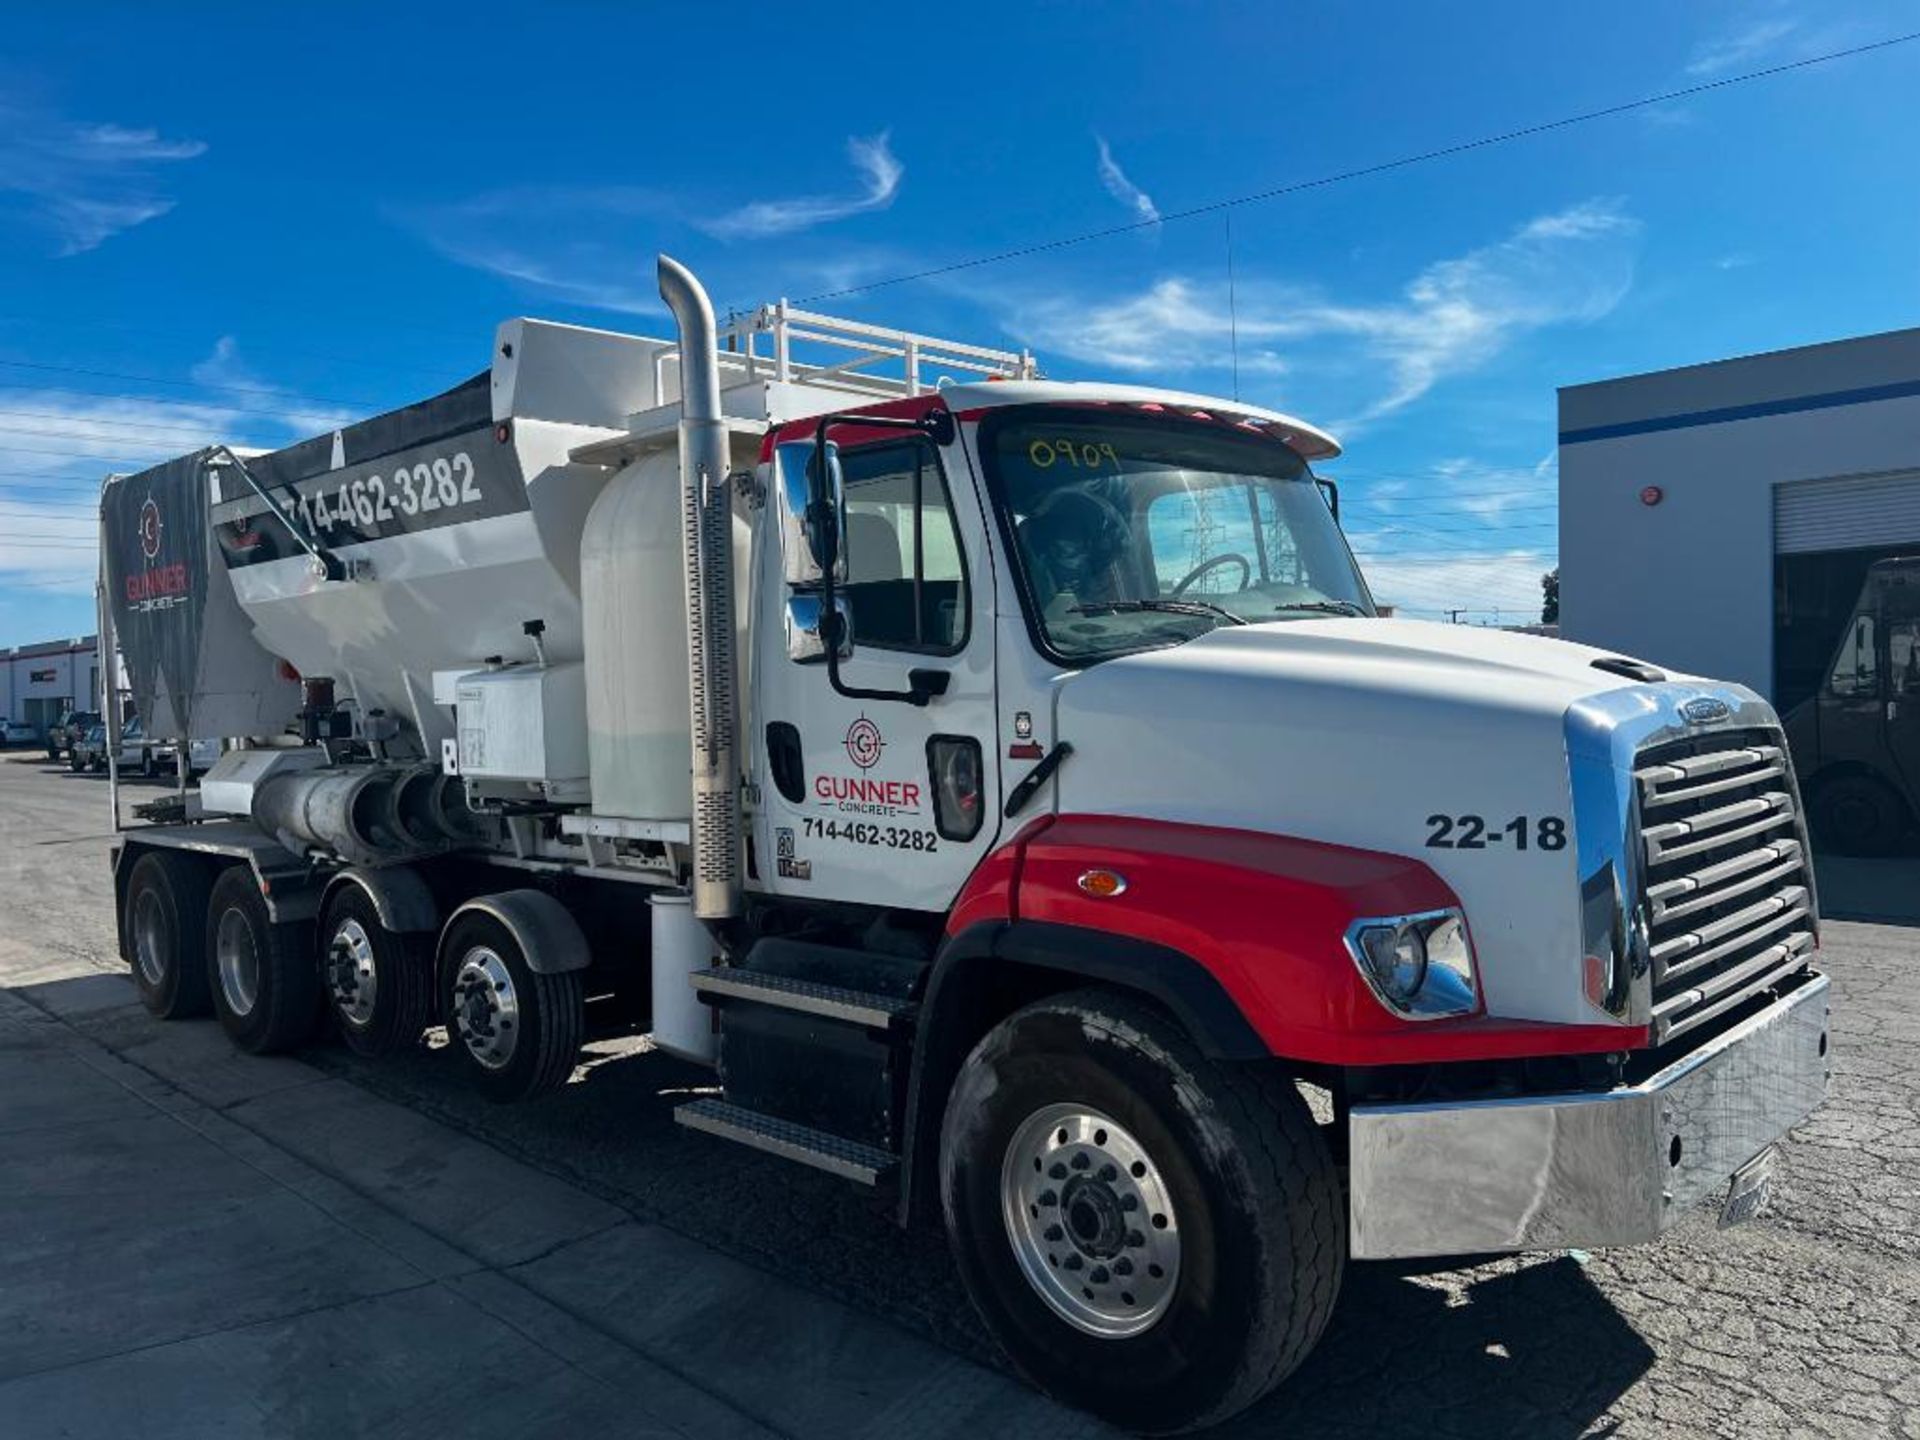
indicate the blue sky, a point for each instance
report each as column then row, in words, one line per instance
column 258, row 224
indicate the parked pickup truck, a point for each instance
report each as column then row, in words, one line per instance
column 70, row 727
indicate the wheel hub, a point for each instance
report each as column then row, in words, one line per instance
column 351, row 975
column 150, row 938
column 1090, row 1220
column 237, row 961
column 486, row 1008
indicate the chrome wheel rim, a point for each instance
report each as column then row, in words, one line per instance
column 150, row 937
column 238, row 960
column 352, row 978
column 486, row 1007
column 1091, row 1221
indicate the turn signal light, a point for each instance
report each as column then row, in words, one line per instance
column 1103, row 884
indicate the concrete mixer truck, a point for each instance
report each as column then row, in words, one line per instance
column 1008, row 787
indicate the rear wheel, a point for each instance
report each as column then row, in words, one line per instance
column 1151, row 1235
column 517, row 1031
column 75, row 762
column 165, row 919
column 1859, row 815
column 265, row 983
column 379, row 984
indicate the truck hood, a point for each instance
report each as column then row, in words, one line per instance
column 1365, row 733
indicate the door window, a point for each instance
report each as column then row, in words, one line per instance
column 1903, row 656
column 906, row 576
column 1856, row 670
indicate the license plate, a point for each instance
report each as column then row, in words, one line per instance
column 1751, row 1183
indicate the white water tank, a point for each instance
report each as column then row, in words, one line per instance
column 634, row 601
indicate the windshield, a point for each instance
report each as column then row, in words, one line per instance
column 1137, row 530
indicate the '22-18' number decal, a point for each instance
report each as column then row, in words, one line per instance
column 1475, row 832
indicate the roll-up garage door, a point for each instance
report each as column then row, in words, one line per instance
column 1861, row 512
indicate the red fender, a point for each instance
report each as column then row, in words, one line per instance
column 1266, row 916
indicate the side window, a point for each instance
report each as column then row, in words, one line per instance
column 1903, row 656
column 1856, row 670
column 906, row 577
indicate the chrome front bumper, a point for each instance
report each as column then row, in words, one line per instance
column 1608, row 1168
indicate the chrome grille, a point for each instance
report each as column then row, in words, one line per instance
column 1728, row 892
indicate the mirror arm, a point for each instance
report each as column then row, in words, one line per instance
column 1330, row 490
column 937, row 425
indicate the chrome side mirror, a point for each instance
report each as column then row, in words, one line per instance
column 805, row 640
column 813, row 513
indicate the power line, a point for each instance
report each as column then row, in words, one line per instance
column 1377, row 168
column 77, row 579
column 179, row 384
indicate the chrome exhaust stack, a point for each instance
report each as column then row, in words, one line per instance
column 706, row 514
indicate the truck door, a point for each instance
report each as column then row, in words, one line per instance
column 1852, row 713
column 862, row 798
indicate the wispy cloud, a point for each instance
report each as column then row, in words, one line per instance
column 880, row 174
column 57, row 445
column 224, row 370
column 579, row 243
column 1752, row 42
column 1121, row 188
column 1457, row 314
column 82, row 182
column 1465, row 534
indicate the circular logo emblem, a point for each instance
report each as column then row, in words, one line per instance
column 150, row 528
column 1652, row 495
column 864, row 743
column 1705, row 710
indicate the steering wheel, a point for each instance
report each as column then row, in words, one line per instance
column 1205, row 566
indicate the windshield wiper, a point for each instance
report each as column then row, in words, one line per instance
column 1172, row 607
column 1325, row 607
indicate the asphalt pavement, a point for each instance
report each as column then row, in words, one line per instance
column 206, row 1244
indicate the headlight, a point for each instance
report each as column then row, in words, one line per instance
column 1418, row 966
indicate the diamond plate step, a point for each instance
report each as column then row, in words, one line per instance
column 857, row 1007
column 849, row 1159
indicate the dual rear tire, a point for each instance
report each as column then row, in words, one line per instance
column 262, row 977
column 197, row 946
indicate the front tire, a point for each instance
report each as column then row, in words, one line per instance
column 265, row 984
column 517, row 1031
column 75, row 762
column 1152, row 1236
column 379, row 985
column 165, row 920
column 1859, row 815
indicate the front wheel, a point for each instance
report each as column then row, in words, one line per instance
column 1151, row 1235
column 1858, row 815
